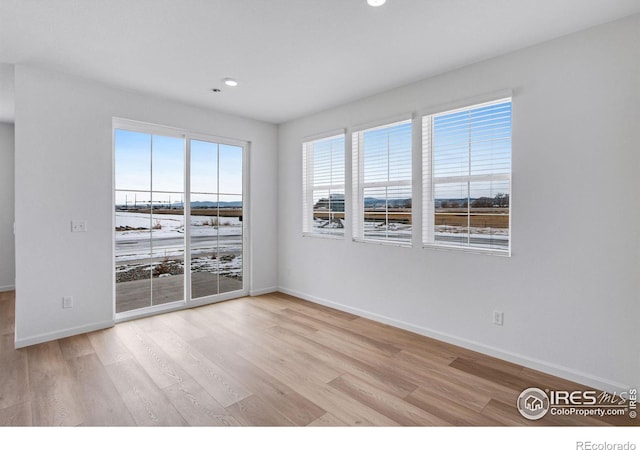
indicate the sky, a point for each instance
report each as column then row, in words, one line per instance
column 471, row 142
column 142, row 159
column 474, row 142
column 328, row 168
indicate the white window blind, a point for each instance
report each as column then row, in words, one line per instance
column 382, row 183
column 323, row 186
column 467, row 177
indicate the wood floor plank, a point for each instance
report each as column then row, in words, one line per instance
column 293, row 406
column 255, row 412
column 509, row 368
column 543, row 381
column 391, row 406
column 14, row 386
column 225, row 317
column 345, row 334
column 148, row 405
column 7, row 316
column 326, row 397
column 76, row 346
column 452, row 412
column 16, row 416
column 305, row 362
column 481, row 370
column 327, row 420
column 334, row 315
column 447, row 383
column 102, row 404
column 294, row 327
column 273, row 360
column 366, row 354
column 381, row 378
column 196, row 406
column 180, row 325
column 407, row 340
column 507, row 414
column 151, row 357
column 52, row 388
column 108, row 346
column 246, row 310
column 199, row 318
column 430, row 375
column 217, row 382
column 431, row 353
column 8, row 350
column 265, row 302
column 427, row 347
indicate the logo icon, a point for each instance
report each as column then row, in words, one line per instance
column 533, row 403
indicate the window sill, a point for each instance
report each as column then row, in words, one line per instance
column 474, row 250
column 335, row 237
column 380, row 242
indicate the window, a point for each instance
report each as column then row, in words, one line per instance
column 467, row 177
column 179, row 209
column 382, row 183
column 149, row 212
column 323, row 186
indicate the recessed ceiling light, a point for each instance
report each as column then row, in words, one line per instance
column 376, row 2
column 230, row 82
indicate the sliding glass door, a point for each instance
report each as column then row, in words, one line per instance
column 216, row 218
column 179, row 219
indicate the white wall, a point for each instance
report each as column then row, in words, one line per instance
column 63, row 137
column 7, row 254
column 570, row 291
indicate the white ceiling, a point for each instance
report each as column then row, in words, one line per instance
column 292, row 57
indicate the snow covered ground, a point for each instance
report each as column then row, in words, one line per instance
column 143, row 240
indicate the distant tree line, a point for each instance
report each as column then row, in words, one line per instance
column 335, row 202
column 499, row 201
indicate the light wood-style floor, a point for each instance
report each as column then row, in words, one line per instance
column 272, row 360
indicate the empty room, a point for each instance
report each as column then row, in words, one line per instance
column 400, row 213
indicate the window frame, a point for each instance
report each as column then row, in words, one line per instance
column 429, row 181
column 118, row 123
column 359, row 185
column 308, row 186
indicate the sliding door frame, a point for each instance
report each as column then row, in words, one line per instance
column 187, row 136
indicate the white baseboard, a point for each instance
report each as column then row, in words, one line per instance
column 46, row 337
column 8, row 287
column 532, row 363
column 269, row 290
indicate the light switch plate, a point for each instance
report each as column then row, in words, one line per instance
column 78, row 226
column 67, row 302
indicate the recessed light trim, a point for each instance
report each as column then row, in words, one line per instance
column 376, row 2
column 230, row 82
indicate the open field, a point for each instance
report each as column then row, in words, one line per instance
column 150, row 251
column 479, row 217
column 457, row 217
column 222, row 212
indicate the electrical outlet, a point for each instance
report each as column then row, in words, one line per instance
column 78, row 226
column 67, row 302
column 498, row 318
